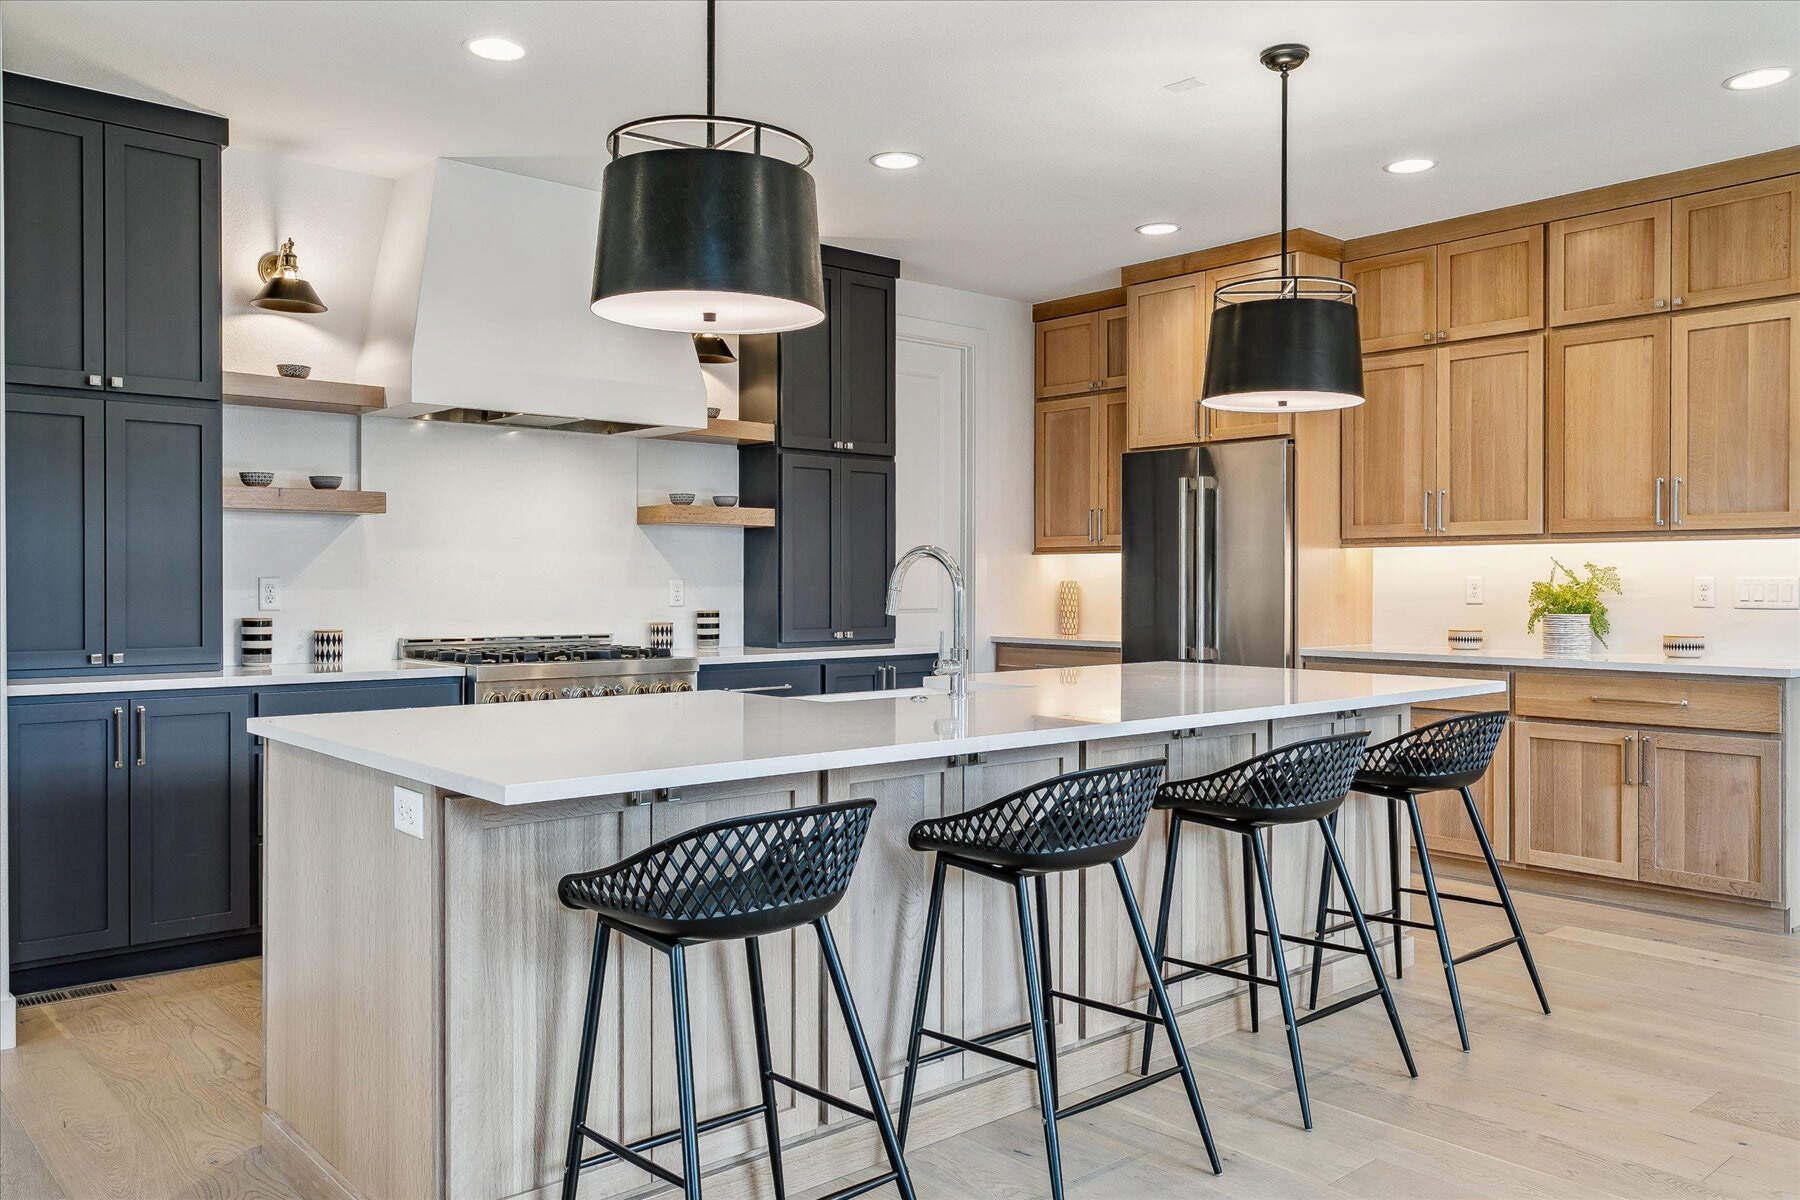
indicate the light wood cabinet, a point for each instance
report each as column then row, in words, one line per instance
column 1079, row 444
column 1081, row 353
column 1446, row 821
column 1165, row 330
column 1491, row 285
column 1734, row 418
column 1575, row 799
column 1709, row 813
column 1490, row 437
column 1610, row 265
column 1396, row 299
column 1389, row 456
column 1607, row 427
column 1448, row 442
column 1735, row 243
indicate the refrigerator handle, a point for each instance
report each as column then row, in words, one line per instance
column 1184, row 574
column 1206, row 492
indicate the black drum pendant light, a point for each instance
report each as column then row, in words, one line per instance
column 708, row 224
column 1288, row 342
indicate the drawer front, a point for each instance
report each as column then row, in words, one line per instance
column 293, row 700
column 1749, row 706
column 1496, row 702
column 777, row 679
column 1009, row 657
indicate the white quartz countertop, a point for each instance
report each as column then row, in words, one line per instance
column 560, row 749
column 1511, row 652
column 230, row 677
column 1052, row 640
column 740, row 655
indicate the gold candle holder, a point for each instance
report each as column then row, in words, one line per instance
column 1068, row 608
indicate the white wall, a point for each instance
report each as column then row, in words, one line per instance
column 1419, row 592
column 486, row 532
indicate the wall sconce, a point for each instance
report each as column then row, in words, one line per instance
column 283, row 289
column 711, row 348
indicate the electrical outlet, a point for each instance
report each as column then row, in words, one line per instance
column 409, row 812
column 1705, row 594
column 1472, row 590
column 677, row 593
column 268, row 594
column 1768, row 591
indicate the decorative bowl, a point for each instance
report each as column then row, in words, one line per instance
column 725, row 501
column 681, row 497
column 293, row 370
column 712, row 412
column 1684, row 645
column 326, row 483
column 256, row 478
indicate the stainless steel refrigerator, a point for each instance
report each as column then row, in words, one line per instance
column 1208, row 550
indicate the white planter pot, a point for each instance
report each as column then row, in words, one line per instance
column 1568, row 635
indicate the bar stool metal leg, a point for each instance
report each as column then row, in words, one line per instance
column 1281, row 974
column 1040, row 1038
column 1250, row 929
column 865, row 1062
column 1048, row 982
column 684, row 1073
column 1362, row 931
column 1394, row 892
column 1512, row 916
column 1437, row 921
column 1318, row 963
column 765, row 1067
column 921, row 995
column 1160, row 1000
column 584, row 1070
column 1162, row 930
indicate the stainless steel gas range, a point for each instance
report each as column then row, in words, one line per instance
column 499, row 670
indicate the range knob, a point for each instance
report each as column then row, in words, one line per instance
column 682, row 685
column 609, row 690
column 517, row 696
column 574, row 693
column 662, row 687
column 543, row 694
column 494, row 698
column 637, row 689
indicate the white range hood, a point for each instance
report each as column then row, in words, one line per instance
column 479, row 313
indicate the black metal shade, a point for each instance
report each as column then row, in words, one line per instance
column 708, row 241
column 290, row 295
column 1284, row 355
column 711, row 348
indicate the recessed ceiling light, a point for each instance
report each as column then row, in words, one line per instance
column 496, row 49
column 1409, row 166
column 1761, row 77
column 896, row 160
column 1158, row 228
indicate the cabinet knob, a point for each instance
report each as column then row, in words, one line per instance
column 93, row 381
column 1675, row 303
column 1659, row 302
column 118, row 656
column 96, row 659
column 1428, row 335
column 1440, row 336
column 117, row 381
column 849, row 445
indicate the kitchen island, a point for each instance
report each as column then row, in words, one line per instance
column 423, row 988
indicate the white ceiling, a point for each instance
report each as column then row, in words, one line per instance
column 1046, row 127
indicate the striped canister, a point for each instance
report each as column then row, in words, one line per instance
column 256, row 640
column 706, row 628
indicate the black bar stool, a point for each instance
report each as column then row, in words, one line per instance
column 1082, row 819
column 730, row 880
column 1449, row 754
column 1306, row 781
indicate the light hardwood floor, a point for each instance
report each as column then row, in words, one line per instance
column 1670, row 1068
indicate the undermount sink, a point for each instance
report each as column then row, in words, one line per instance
column 919, row 693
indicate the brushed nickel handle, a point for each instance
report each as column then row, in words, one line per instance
column 1440, row 335
column 117, row 381
column 1675, row 303
column 1644, row 761
column 849, row 445
column 96, row 659
column 1425, row 514
column 1675, row 502
column 1628, row 748
column 1428, row 335
column 119, row 738
column 1442, row 492
column 118, row 656
column 773, row 687
column 1659, row 488
column 1659, row 302
column 143, row 738
column 1100, row 524
column 1597, row 699
column 93, row 381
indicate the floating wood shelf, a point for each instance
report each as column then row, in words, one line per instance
column 705, row 514
column 303, row 500
column 725, row 431
column 303, row 395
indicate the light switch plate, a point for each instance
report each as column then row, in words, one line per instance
column 1472, row 590
column 1706, row 595
column 677, row 593
column 409, row 812
column 1768, row 591
column 268, row 593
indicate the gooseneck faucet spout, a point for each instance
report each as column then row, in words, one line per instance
column 955, row 665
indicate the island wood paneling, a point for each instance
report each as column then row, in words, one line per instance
column 1446, row 818
column 1709, row 813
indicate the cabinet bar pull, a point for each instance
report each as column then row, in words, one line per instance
column 1628, row 748
column 1682, row 703
column 143, row 738
column 773, row 687
column 1675, row 502
column 1425, row 514
column 118, row 739
column 1442, row 492
column 1659, row 487
column 1644, row 761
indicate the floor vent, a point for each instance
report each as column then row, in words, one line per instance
column 74, row 993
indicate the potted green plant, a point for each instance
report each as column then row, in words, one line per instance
column 1572, row 610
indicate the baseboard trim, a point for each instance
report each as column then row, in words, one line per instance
column 305, row 1168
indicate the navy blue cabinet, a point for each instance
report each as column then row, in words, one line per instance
column 769, row 679
column 878, row 674
column 55, row 226
column 55, row 531
column 812, row 677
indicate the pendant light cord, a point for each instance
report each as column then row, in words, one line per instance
column 711, row 79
